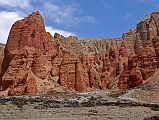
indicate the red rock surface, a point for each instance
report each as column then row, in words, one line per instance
column 37, row 63
column 1, row 54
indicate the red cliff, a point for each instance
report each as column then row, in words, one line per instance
column 37, row 63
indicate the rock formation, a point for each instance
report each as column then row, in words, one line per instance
column 1, row 54
column 146, row 92
column 37, row 63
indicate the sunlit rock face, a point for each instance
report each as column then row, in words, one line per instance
column 1, row 54
column 37, row 63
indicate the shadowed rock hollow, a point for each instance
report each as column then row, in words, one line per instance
column 37, row 63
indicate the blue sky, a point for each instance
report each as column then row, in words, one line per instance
column 83, row 18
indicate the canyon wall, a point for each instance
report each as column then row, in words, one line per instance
column 37, row 63
column 1, row 54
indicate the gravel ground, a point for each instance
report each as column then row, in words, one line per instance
column 98, row 105
column 28, row 112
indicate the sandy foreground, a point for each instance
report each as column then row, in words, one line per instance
column 75, row 107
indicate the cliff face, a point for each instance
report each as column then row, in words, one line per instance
column 37, row 63
column 144, row 63
column 1, row 54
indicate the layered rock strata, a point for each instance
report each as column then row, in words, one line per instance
column 1, row 54
column 37, row 63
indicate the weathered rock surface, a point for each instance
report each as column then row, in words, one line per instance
column 37, row 63
column 1, row 54
column 146, row 92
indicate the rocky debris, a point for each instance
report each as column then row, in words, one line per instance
column 43, row 102
column 152, row 118
column 146, row 92
column 37, row 107
column 36, row 63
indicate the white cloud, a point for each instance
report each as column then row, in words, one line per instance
column 8, row 18
column 6, row 21
column 52, row 31
column 15, row 3
column 66, row 14
column 59, row 14
column 55, row 11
